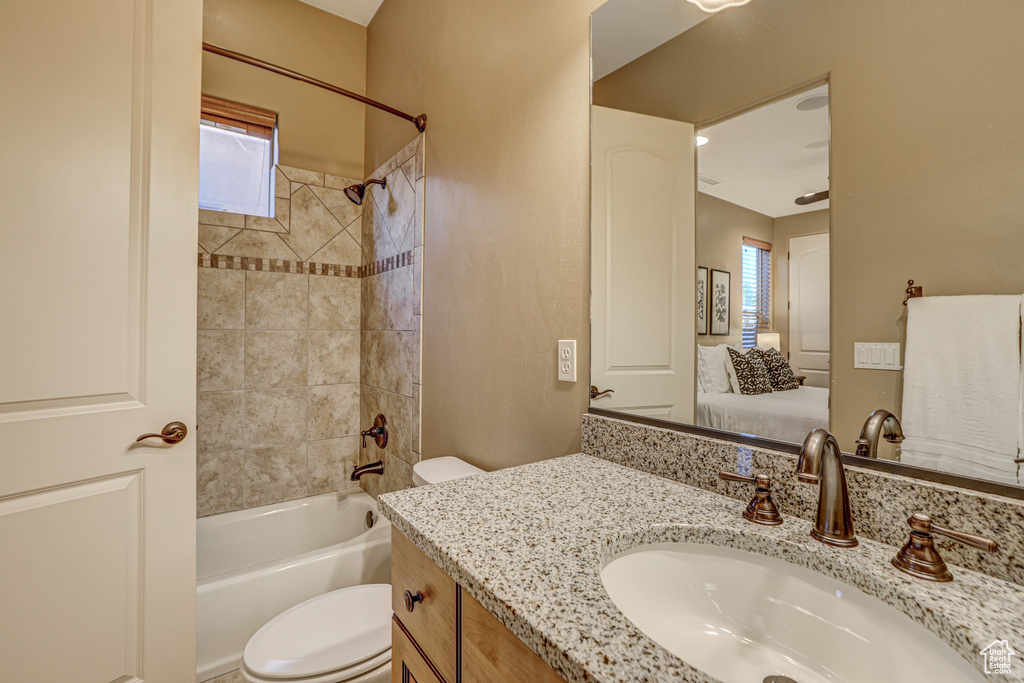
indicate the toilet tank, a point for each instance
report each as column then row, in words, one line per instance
column 436, row 470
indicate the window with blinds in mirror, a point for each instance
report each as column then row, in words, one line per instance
column 756, row 286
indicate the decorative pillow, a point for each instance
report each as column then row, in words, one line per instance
column 711, row 369
column 750, row 372
column 780, row 374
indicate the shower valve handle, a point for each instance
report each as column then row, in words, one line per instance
column 378, row 432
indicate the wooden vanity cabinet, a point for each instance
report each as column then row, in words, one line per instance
column 447, row 636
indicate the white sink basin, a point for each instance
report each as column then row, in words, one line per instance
column 742, row 617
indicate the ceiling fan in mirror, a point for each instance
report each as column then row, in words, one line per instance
column 812, row 197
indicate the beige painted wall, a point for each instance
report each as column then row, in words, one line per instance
column 811, row 223
column 506, row 247
column 927, row 151
column 319, row 130
column 721, row 227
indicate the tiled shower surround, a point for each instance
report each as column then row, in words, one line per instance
column 282, row 342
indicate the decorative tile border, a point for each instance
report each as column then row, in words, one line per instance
column 304, row 267
column 277, row 265
column 389, row 263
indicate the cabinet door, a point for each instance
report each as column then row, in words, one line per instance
column 490, row 652
column 407, row 664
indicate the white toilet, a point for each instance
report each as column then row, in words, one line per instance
column 341, row 636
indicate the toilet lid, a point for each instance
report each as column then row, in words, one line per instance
column 332, row 631
column 436, row 470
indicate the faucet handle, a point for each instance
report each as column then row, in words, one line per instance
column 920, row 558
column 762, row 509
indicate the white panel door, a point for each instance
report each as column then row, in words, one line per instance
column 643, row 276
column 809, row 308
column 99, row 179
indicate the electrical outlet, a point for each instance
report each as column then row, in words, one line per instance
column 567, row 360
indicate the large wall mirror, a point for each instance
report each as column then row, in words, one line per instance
column 767, row 178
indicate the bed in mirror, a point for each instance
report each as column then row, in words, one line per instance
column 765, row 181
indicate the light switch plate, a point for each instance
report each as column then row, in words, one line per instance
column 876, row 355
column 567, row 360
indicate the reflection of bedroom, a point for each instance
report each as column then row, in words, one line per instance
column 751, row 170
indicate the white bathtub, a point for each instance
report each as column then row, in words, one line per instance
column 254, row 564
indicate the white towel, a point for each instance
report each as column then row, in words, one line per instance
column 962, row 385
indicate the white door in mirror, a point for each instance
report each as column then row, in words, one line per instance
column 567, row 360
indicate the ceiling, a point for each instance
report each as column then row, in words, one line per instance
column 358, row 11
column 769, row 156
column 620, row 33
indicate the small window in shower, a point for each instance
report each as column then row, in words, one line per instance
column 237, row 154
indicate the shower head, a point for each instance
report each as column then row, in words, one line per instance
column 356, row 192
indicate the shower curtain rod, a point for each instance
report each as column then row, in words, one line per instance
column 419, row 121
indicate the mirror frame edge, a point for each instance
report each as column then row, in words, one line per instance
column 887, row 466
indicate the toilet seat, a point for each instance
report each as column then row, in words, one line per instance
column 344, row 635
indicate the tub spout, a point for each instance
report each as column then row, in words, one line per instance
column 371, row 468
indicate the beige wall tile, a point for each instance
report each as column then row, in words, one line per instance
column 399, row 416
column 366, row 238
column 219, row 421
column 219, row 483
column 338, row 182
column 221, row 302
column 398, row 362
column 299, row 175
column 275, row 474
column 373, row 402
column 211, row 237
column 397, row 474
column 417, row 350
column 340, row 206
column 331, row 463
column 333, row 411
column 275, row 416
column 220, row 360
column 279, row 222
column 333, row 357
column 296, row 187
column 312, row 225
column 225, row 218
column 399, row 210
column 417, row 281
column 334, row 302
column 416, row 412
column 373, row 358
column 257, row 244
column 342, row 249
column 281, row 184
column 277, row 301
column 408, row 169
column 371, row 483
column 420, row 157
column 399, row 303
column 420, row 208
column 275, row 358
column 374, row 301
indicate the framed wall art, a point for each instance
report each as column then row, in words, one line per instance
column 719, row 302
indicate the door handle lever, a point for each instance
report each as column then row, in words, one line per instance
column 172, row 433
column 595, row 393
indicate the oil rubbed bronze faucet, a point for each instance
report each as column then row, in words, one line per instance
column 762, row 509
column 821, row 462
column 920, row 558
column 879, row 423
column 370, row 468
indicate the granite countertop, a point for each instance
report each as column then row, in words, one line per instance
column 529, row 543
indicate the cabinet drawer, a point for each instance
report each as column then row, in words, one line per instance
column 431, row 622
column 407, row 665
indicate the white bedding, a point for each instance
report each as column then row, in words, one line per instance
column 780, row 415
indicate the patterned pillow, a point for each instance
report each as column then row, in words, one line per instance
column 751, row 373
column 780, row 374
